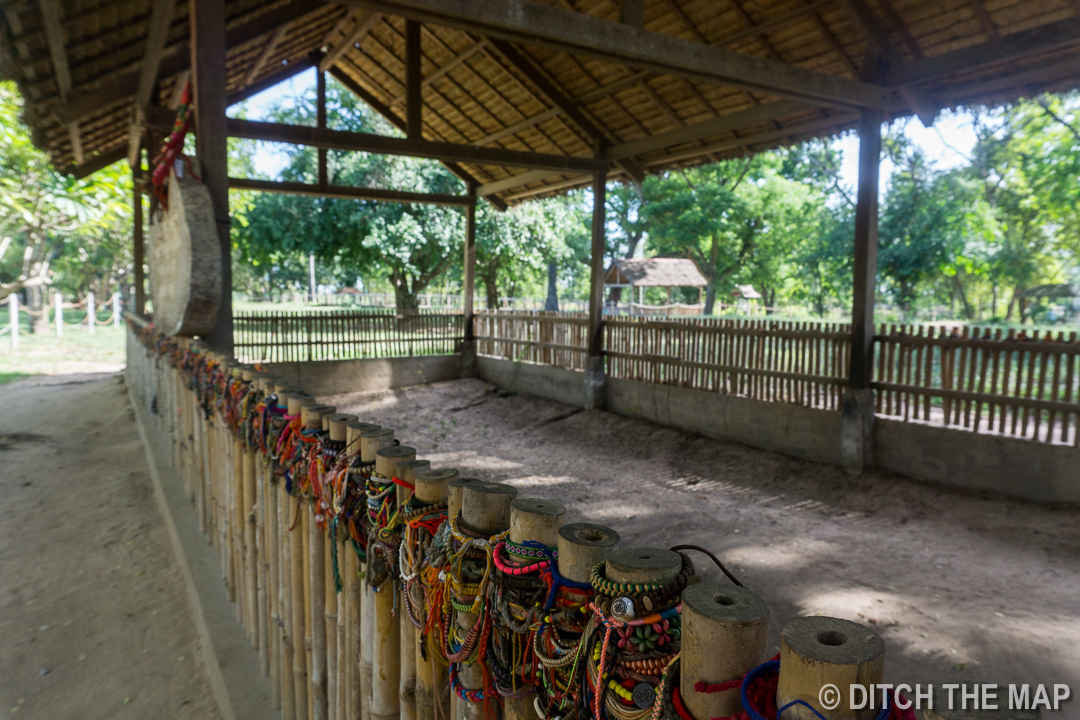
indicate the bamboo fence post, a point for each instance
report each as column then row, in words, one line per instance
column 386, row 660
column 725, row 633
column 455, row 490
column 298, row 592
column 407, row 471
column 539, row 521
column 315, row 416
column 353, row 585
column 337, row 427
column 486, row 507
column 816, row 651
column 432, row 486
column 269, row 577
column 247, row 469
column 370, row 442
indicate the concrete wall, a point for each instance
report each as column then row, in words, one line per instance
column 565, row 386
column 333, row 377
column 1032, row 470
column 779, row 427
column 790, row 429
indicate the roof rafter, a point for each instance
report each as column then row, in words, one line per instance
column 534, row 23
column 363, row 21
column 52, row 19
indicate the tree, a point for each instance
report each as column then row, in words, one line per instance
column 46, row 217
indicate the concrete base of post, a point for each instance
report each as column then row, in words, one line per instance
column 857, row 431
column 595, row 382
column 468, row 359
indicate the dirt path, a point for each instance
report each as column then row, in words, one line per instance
column 94, row 619
column 963, row 587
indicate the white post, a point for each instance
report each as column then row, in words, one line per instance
column 91, row 312
column 116, row 309
column 58, row 300
column 13, row 308
column 311, row 277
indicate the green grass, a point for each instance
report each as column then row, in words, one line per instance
column 76, row 352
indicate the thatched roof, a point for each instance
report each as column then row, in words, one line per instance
column 655, row 272
column 792, row 70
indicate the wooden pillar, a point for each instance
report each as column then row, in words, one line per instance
column 407, row 471
column 857, row 412
column 866, row 249
column 469, row 282
column 432, row 486
column 139, row 280
column 208, row 75
column 599, row 248
column 370, row 443
column 594, row 363
column 414, row 122
column 320, row 93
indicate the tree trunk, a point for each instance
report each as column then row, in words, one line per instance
column 405, row 299
column 492, row 291
column 968, row 312
column 552, row 302
column 710, row 297
column 35, row 302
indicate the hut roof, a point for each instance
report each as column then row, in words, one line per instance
column 687, row 82
column 655, row 272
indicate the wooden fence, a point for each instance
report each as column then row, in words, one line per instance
column 793, row 362
column 304, row 336
column 546, row 338
column 981, row 380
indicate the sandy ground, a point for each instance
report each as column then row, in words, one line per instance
column 94, row 619
column 964, row 587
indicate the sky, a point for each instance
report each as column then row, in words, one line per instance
column 945, row 143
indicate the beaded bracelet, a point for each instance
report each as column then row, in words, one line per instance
column 505, row 567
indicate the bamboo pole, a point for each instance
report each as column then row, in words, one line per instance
column 386, row 660
column 485, row 506
column 353, row 588
column 455, row 490
column 337, row 427
column 299, row 593
column 247, row 471
column 407, row 471
column 312, row 416
column 432, row 486
column 370, row 442
column 532, row 519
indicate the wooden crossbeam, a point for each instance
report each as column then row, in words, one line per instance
column 350, row 193
column 1042, row 39
column 375, row 104
column 157, row 34
column 121, row 87
column 264, row 55
column 530, row 22
column 363, row 21
column 408, row 147
column 51, row 19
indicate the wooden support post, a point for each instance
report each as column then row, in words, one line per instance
column 353, row 589
column 725, row 633
column 139, row 279
column 455, row 491
column 432, row 486
column 532, row 519
column 370, row 443
column 582, row 546
column 320, row 93
column 468, row 289
column 594, row 363
column 817, row 651
column 407, row 472
column 414, row 121
column 208, row 75
column 857, row 415
column 486, row 507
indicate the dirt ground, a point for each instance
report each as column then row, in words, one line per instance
column 94, row 619
column 964, row 587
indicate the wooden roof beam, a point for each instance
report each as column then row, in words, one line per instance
column 443, row 70
column 350, row 193
column 1042, row 39
column 363, row 21
column 157, row 34
column 565, row 105
column 52, row 20
column 408, row 147
column 121, row 87
column 264, row 55
column 375, row 104
column 878, row 38
column 530, row 22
